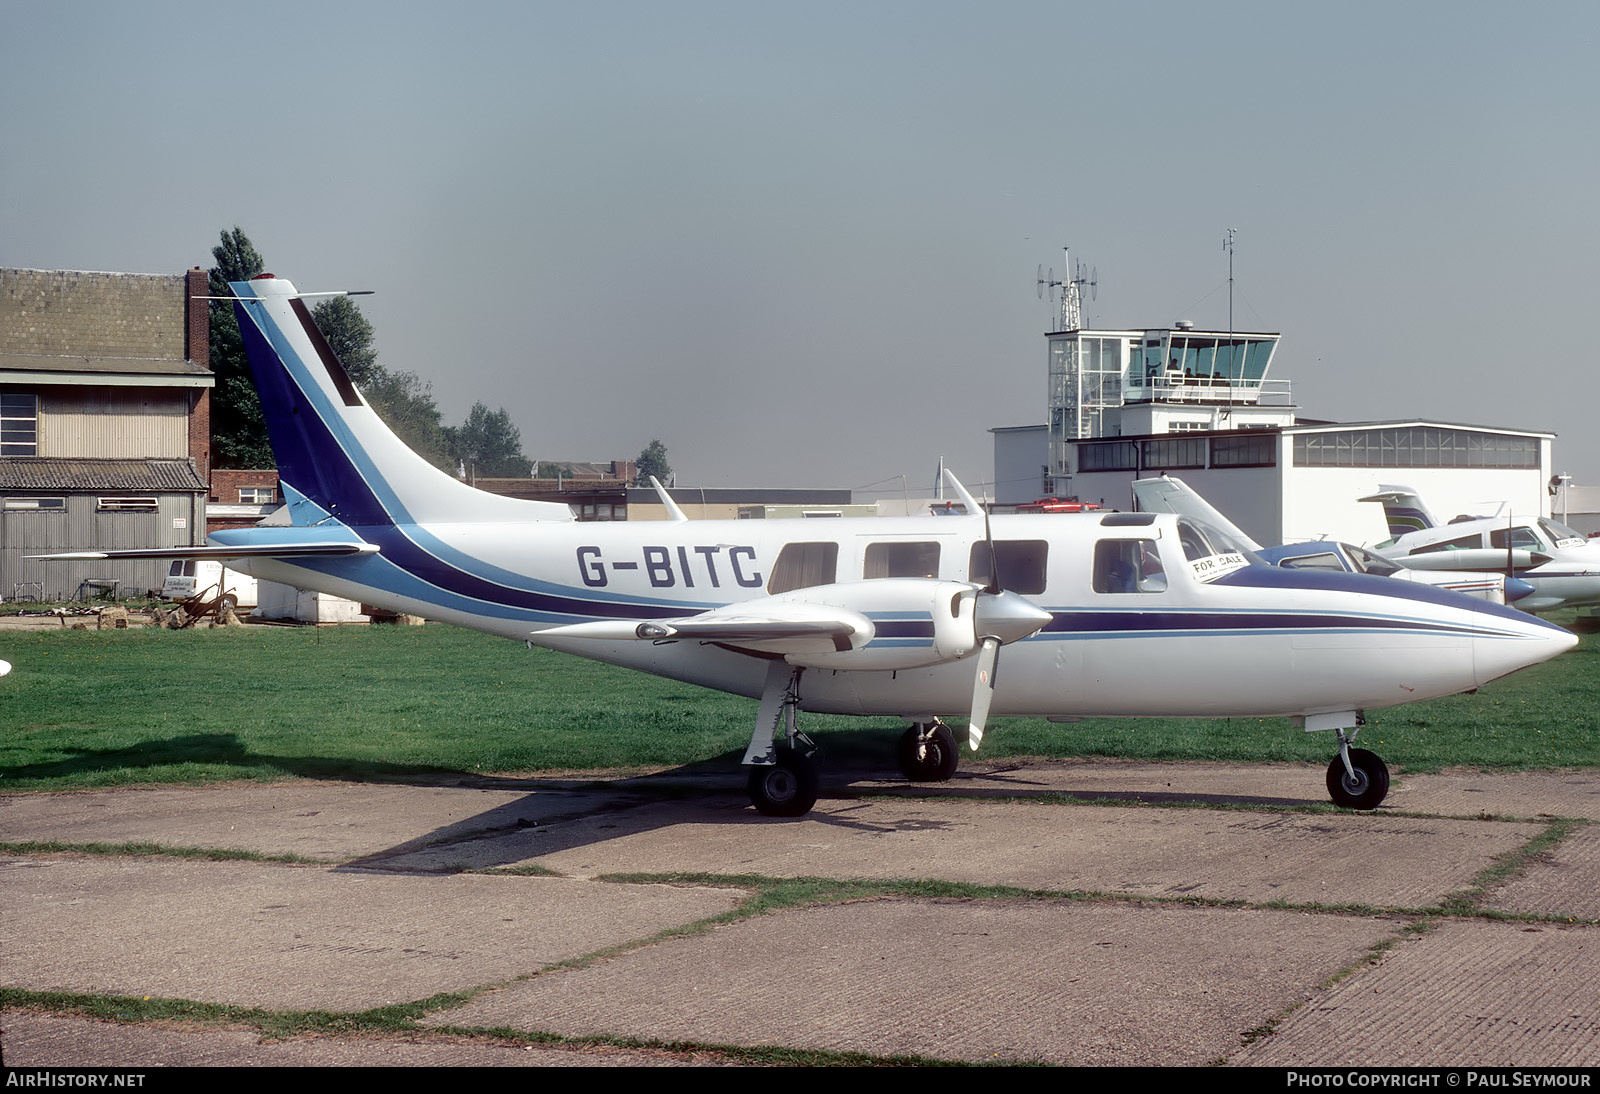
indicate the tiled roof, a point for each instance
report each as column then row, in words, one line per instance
column 136, row 366
column 148, row 476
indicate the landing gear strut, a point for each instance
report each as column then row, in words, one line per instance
column 1357, row 779
column 927, row 752
column 783, row 777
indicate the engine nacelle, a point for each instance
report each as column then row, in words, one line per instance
column 915, row 622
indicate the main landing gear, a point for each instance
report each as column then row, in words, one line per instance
column 927, row 752
column 783, row 777
column 1357, row 779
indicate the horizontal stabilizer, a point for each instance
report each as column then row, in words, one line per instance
column 275, row 550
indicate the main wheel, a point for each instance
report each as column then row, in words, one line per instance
column 1369, row 787
column 930, row 759
column 787, row 788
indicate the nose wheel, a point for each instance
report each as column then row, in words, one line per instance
column 1357, row 779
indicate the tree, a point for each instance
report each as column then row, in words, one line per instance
column 652, row 461
column 404, row 401
column 490, row 444
column 349, row 335
column 238, row 432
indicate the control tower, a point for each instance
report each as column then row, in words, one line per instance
column 1142, row 383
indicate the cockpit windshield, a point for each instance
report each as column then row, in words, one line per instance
column 1560, row 534
column 1211, row 551
column 1366, row 562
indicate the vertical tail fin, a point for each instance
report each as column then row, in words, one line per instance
column 1403, row 510
column 335, row 456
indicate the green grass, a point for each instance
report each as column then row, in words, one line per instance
column 104, row 708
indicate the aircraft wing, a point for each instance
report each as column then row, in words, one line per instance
column 275, row 550
column 1169, row 495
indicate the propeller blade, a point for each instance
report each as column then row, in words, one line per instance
column 983, row 690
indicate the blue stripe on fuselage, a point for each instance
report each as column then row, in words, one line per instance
column 1273, row 577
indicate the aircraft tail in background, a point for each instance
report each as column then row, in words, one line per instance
column 1403, row 510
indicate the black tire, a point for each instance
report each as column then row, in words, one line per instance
column 932, row 760
column 1367, row 790
column 788, row 788
column 228, row 601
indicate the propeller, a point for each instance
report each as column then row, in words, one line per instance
column 998, row 617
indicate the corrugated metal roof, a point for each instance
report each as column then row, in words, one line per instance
column 33, row 473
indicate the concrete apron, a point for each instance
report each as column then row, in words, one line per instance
column 1216, row 929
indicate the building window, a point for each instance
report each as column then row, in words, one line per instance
column 258, row 495
column 36, row 505
column 19, row 424
column 126, row 505
column 1108, row 456
column 1255, row 450
column 1187, row 452
column 1415, row 446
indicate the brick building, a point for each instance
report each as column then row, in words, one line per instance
column 105, row 423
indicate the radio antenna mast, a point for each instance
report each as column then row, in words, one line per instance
column 1227, row 245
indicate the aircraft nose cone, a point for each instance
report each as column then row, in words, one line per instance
column 1535, row 641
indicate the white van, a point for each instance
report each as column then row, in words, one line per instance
column 188, row 576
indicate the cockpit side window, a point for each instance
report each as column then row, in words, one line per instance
column 1325, row 560
column 1128, row 566
column 1522, row 539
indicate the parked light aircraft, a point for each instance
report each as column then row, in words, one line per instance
column 1096, row 614
column 1562, row 566
column 1167, row 494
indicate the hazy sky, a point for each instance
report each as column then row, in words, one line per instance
column 797, row 242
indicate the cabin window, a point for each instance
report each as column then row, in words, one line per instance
column 902, row 560
column 1022, row 564
column 1128, row 566
column 1464, row 543
column 804, row 565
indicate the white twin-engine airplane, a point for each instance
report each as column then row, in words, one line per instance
column 1562, row 566
column 1134, row 614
